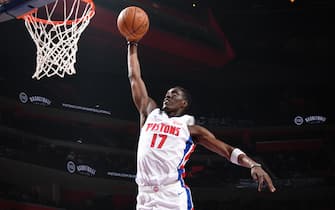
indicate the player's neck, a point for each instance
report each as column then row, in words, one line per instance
column 177, row 113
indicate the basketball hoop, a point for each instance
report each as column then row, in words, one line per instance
column 56, row 31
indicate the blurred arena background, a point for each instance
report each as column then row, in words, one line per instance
column 260, row 76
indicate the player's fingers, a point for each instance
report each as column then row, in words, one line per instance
column 260, row 182
column 270, row 184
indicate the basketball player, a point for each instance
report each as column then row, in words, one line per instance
column 167, row 139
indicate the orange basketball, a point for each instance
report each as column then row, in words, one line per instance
column 133, row 23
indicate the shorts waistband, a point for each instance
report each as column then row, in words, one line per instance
column 156, row 188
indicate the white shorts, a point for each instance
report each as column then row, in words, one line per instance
column 168, row 197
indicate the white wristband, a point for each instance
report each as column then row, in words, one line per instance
column 234, row 155
column 255, row 165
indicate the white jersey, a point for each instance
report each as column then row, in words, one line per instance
column 164, row 147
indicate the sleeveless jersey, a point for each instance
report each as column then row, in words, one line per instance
column 164, row 147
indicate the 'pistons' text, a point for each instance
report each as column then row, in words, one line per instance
column 163, row 128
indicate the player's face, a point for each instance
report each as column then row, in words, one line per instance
column 174, row 100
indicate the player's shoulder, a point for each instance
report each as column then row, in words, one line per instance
column 189, row 120
column 155, row 111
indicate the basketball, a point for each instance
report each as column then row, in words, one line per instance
column 133, row 23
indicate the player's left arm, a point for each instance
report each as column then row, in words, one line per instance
column 207, row 139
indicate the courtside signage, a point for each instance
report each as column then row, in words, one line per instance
column 40, row 100
column 313, row 119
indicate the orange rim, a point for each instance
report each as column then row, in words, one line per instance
column 59, row 22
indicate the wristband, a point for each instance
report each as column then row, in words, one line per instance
column 234, row 155
column 255, row 165
column 132, row 43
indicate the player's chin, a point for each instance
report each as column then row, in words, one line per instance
column 165, row 107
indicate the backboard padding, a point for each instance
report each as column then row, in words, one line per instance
column 15, row 8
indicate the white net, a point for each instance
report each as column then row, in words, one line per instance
column 56, row 31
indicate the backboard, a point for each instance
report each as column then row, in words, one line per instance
column 12, row 9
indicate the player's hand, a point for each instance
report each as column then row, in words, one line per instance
column 260, row 176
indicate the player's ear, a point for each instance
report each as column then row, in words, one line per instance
column 185, row 104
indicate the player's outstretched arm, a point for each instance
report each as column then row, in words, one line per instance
column 207, row 139
column 143, row 102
